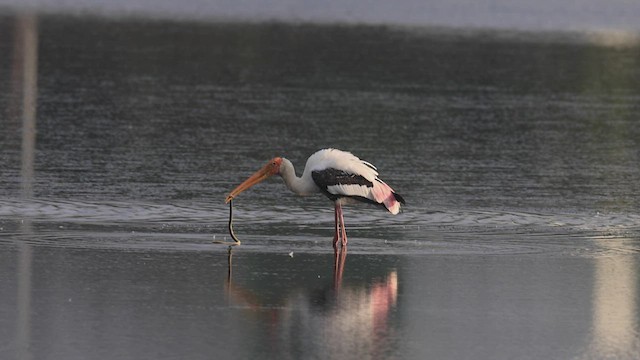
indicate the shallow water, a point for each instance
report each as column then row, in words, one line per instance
column 517, row 154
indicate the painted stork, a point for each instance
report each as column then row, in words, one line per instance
column 339, row 175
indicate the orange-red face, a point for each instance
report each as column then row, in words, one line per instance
column 270, row 169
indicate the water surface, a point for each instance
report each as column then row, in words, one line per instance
column 517, row 154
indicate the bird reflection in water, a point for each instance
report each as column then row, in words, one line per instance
column 335, row 320
column 340, row 257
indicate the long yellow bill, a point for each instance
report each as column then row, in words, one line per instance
column 267, row 171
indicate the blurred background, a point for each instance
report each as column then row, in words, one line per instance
column 619, row 15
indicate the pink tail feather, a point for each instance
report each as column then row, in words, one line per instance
column 383, row 194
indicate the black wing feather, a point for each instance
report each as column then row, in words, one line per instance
column 330, row 177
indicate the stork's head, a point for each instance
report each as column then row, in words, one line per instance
column 270, row 169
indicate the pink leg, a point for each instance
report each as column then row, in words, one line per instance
column 344, row 230
column 341, row 231
column 339, row 247
column 337, row 228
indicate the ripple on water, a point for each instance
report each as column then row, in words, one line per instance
column 139, row 226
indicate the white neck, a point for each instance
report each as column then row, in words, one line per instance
column 299, row 185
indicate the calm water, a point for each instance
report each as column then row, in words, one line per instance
column 517, row 154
